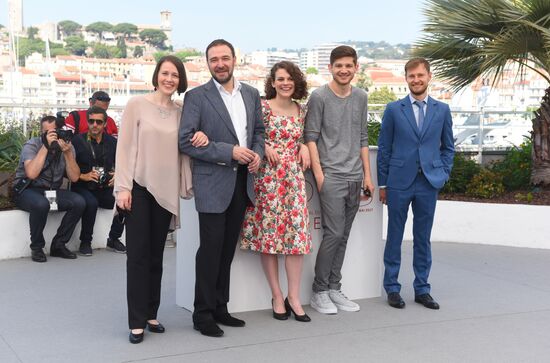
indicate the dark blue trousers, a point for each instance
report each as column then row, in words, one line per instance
column 102, row 198
column 33, row 201
column 422, row 196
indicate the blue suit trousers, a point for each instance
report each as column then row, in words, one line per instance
column 422, row 196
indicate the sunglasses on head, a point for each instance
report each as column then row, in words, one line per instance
column 101, row 98
column 95, row 120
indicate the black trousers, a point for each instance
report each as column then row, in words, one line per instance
column 146, row 230
column 219, row 233
column 98, row 198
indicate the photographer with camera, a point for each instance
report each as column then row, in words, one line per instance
column 44, row 161
column 95, row 155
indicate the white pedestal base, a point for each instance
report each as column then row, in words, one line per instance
column 362, row 270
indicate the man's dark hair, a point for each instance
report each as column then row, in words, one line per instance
column 300, row 83
column 182, row 85
column 341, row 52
column 415, row 62
column 100, row 96
column 48, row 118
column 95, row 110
column 217, row 42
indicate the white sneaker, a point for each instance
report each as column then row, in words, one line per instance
column 321, row 302
column 342, row 302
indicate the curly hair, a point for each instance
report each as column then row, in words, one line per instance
column 300, row 83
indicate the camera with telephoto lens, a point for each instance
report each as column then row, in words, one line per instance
column 62, row 132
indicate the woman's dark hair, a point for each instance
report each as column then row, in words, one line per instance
column 300, row 84
column 182, row 86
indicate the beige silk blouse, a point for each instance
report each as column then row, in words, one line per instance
column 147, row 152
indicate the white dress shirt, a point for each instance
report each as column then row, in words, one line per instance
column 236, row 108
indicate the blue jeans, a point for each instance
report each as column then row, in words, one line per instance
column 33, row 201
column 102, row 198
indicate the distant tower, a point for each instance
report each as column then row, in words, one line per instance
column 166, row 25
column 15, row 16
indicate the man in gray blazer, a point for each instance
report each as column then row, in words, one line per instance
column 229, row 113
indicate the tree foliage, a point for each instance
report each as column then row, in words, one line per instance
column 121, row 45
column 154, row 37
column 312, row 70
column 126, row 29
column 68, row 27
column 138, row 51
column 76, row 45
column 470, row 39
column 99, row 27
column 383, row 96
column 32, row 32
column 104, row 51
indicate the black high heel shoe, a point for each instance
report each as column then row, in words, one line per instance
column 303, row 318
column 280, row 316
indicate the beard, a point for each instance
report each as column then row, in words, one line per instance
column 223, row 80
column 419, row 92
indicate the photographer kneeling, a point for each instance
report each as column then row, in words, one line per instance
column 95, row 155
column 43, row 163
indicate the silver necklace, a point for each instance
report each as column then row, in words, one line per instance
column 164, row 113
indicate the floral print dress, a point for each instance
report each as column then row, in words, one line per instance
column 279, row 222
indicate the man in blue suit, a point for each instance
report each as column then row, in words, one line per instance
column 415, row 157
column 229, row 113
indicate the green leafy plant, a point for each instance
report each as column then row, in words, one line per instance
column 464, row 169
column 516, row 167
column 11, row 143
column 373, row 130
column 486, row 184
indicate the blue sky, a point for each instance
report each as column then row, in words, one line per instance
column 249, row 25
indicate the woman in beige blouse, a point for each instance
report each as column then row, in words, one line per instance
column 147, row 186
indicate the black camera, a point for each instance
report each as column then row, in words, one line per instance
column 64, row 134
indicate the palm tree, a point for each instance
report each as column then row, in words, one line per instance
column 467, row 39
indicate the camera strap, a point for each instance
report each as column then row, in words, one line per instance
column 94, row 158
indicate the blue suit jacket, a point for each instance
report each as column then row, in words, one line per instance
column 214, row 170
column 403, row 149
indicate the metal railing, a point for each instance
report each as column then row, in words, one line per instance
column 474, row 130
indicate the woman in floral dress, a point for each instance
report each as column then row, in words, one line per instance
column 279, row 224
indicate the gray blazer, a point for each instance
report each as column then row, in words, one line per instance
column 214, row 170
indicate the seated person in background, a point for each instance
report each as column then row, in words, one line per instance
column 76, row 120
column 95, row 156
column 43, row 163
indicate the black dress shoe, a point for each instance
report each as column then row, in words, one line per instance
column 280, row 316
column 156, row 328
column 38, row 256
column 62, row 252
column 226, row 319
column 208, row 328
column 395, row 300
column 303, row 318
column 135, row 338
column 427, row 301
